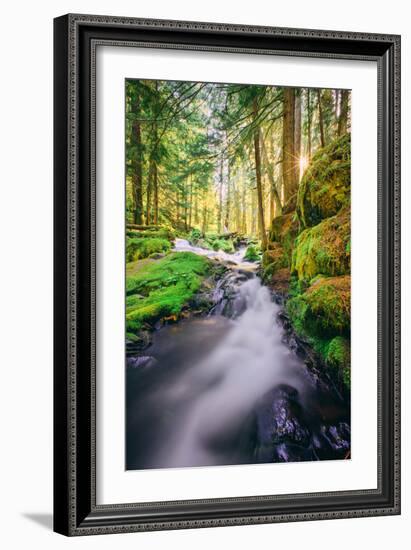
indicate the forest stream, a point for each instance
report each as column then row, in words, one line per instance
column 231, row 386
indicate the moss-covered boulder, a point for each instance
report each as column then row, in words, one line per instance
column 278, row 280
column 323, row 310
column 324, row 249
column 273, row 259
column 161, row 289
column 284, row 229
column 338, row 358
column 138, row 248
column 326, row 184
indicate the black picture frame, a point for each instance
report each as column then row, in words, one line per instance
column 75, row 40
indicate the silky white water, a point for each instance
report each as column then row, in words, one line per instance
column 249, row 360
column 199, row 402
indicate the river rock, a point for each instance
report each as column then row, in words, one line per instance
column 335, row 439
column 139, row 342
column 280, row 427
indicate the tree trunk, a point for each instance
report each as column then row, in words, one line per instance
column 343, row 118
column 155, row 191
column 289, row 172
column 244, row 207
column 321, row 119
column 185, row 199
column 337, row 108
column 148, row 192
column 297, row 134
column 228, row 201
column 137, row 164
column 275, row 197
column 191, row 202
column 257, row 155
column 178, row 206
column 309, row 122
column 196, row 217
column 220, row 197
column 155, row 164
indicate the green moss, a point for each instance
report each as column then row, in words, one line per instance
column 324, row 309
column 253, row 253
column 162, row 288
column 338, row 358
column 324, row 248
column 326, row 184
column 161, row 234
column 284, row 229
column 139, row 248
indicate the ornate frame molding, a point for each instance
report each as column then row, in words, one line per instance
column 76, row 40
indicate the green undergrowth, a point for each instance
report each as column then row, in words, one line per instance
column 253, row 253
column 162, row 288
column 212, row 241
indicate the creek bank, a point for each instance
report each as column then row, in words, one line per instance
column 188, row 282
column 308, row 260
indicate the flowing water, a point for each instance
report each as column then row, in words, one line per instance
column 225, row 388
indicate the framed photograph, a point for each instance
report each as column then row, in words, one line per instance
column 227, row 278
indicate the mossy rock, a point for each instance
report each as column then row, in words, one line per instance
column 324, row 309
column 279, row 280
column 324, row 249
column 326, row 184
column 284, row 229
column 274, row 259
column 290, row 206
column 163, row 288
column 140, row 248
column 338, row 358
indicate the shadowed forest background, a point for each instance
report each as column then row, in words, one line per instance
column 234, row 193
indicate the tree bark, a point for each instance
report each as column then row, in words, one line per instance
column 343, row 118
column 244, row 207
column 309, row 122
column 297, row 134
column 191, row 202
column 137, row 178
column 155, row 191
column 228, row 201
column 220, row 197
column 275, row 197
column 321, row 119
column 148, row 192
column 257, row 155
column 289, row 172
